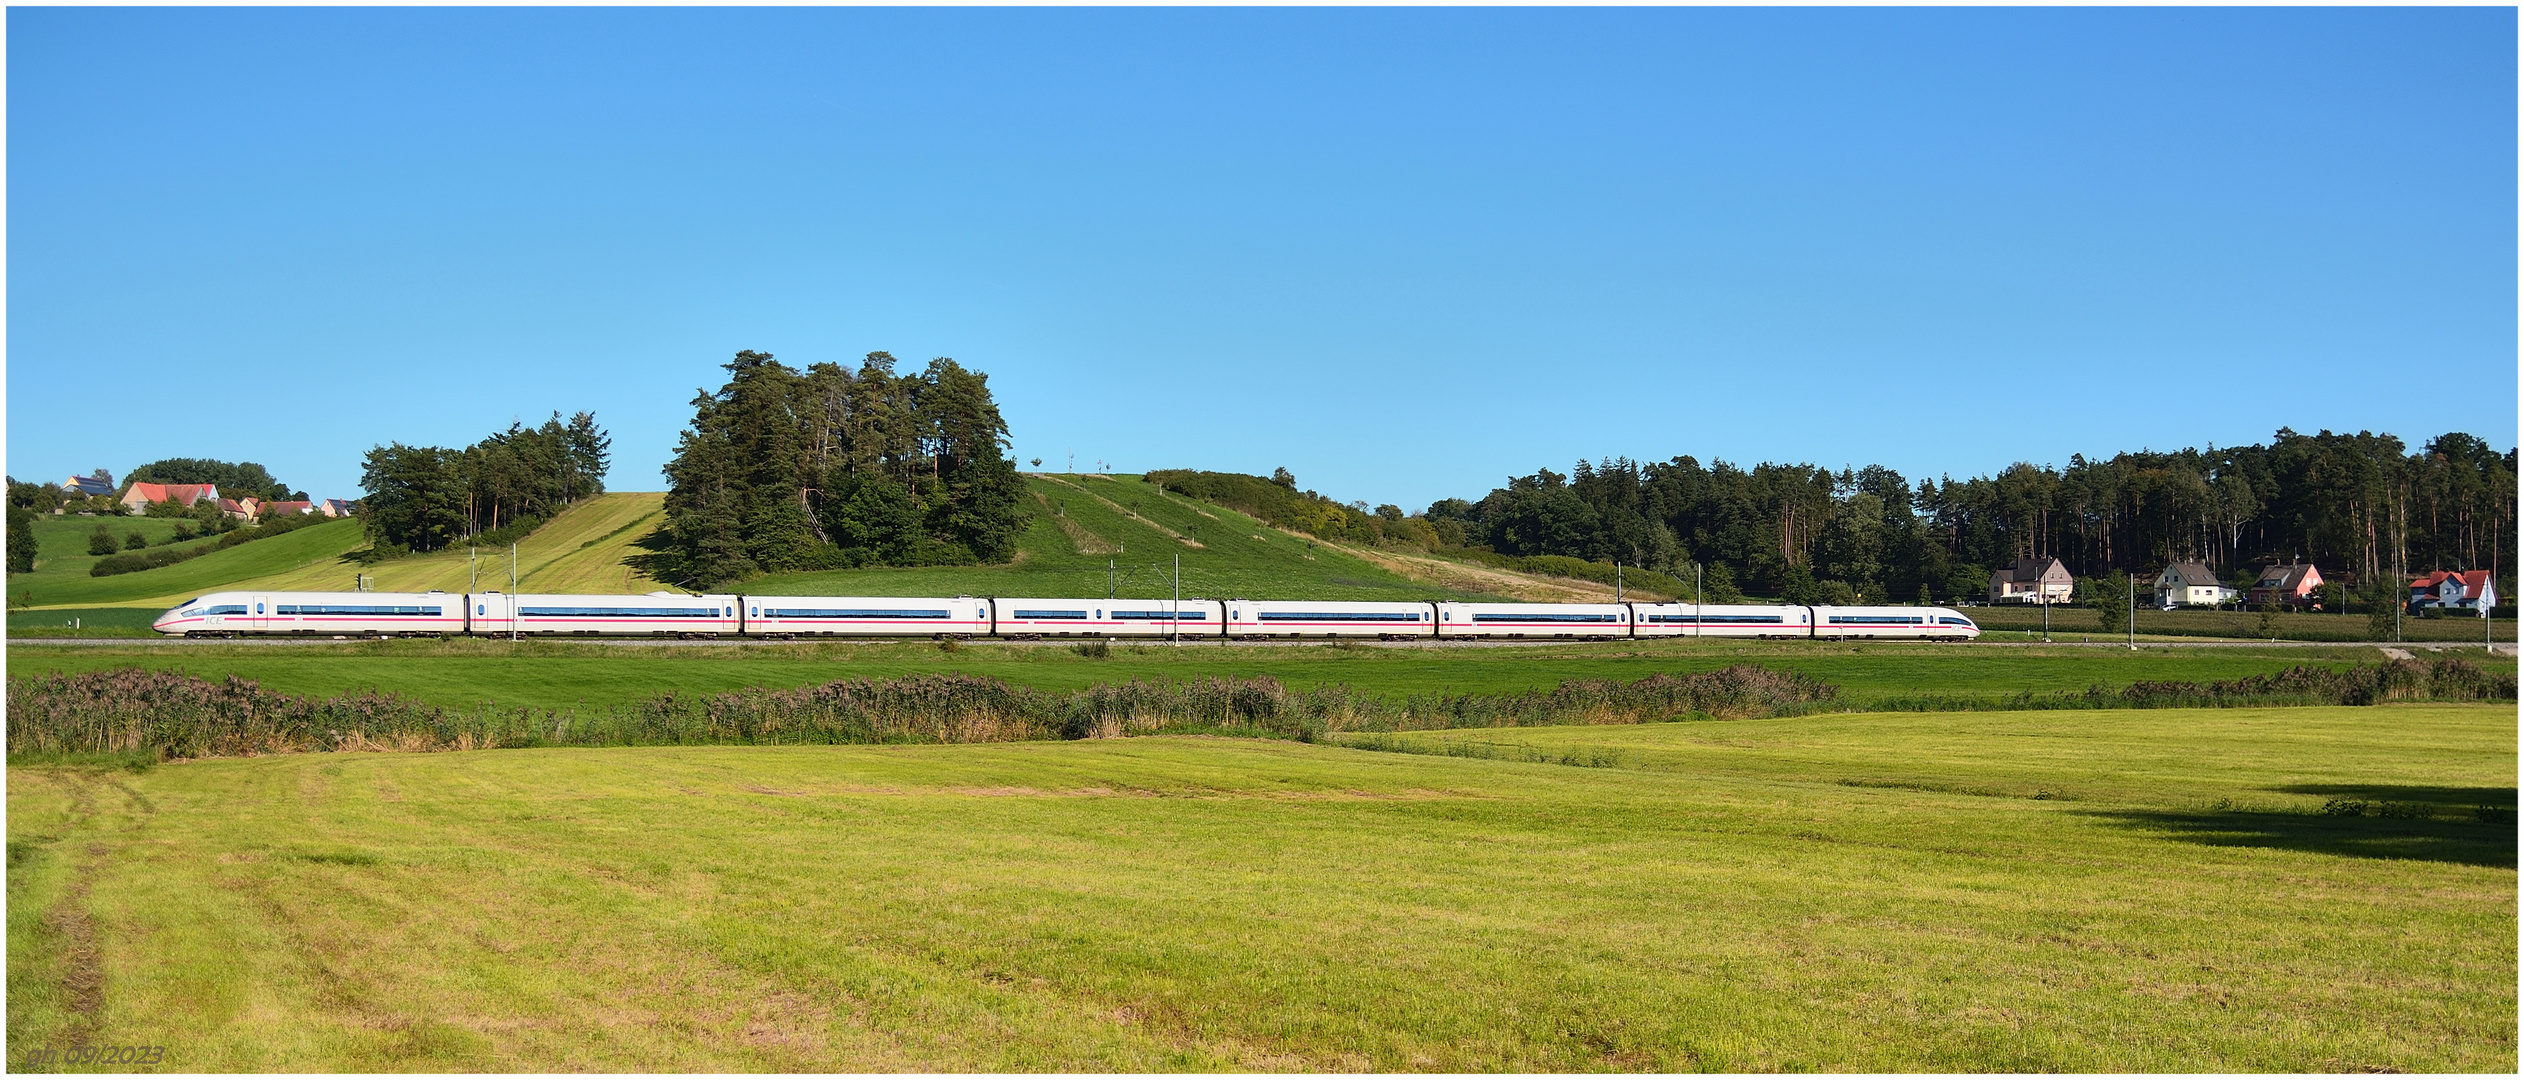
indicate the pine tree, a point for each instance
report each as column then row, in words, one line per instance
column 21, row 540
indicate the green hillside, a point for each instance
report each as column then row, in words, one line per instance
column 1082, row 522
column 580, row 550
column 60, row 578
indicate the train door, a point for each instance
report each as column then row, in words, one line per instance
column 493, row 613
column 262, row 612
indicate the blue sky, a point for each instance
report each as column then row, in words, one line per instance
column 1403, row 253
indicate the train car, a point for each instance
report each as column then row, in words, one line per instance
column 1457, row 619
column 362, row 614
column 1724, row 620
column 1024, row 617
column 1944, row 624
column 1254, row 619
column 866, row 616
column 657, row 614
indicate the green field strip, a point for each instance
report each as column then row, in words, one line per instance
column 556, row 675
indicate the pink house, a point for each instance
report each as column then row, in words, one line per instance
column 2291, row 585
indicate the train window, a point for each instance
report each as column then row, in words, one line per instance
column 481, row 609
column 258, row 607
column 755, row 612
column 1099, row 614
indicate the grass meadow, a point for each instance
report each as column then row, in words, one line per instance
column 60, row 577
column 2148, row 890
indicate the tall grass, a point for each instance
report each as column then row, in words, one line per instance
column 174, row 715
column 2304, row 684
column 178, row 716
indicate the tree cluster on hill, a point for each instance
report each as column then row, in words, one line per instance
column 235, row 479
column 2358, row 505
column 424, row 498
column 825, row 468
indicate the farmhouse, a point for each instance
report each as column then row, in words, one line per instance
column 2291, row 585
column 2466, row 590
column 293, row 506
column 334, row 508
column 80, row 487
column 141, row 495
column 2031, row 581
column 2190, row 584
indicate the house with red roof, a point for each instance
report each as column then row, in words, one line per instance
column 2467, row 590
column 293, row 506
column 141, row 495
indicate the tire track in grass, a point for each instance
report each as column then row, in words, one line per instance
column 1134, row 515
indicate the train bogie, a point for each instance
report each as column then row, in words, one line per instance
column 867, row 616
column 1330, row 618
column 1468, row 620
column 1103, row 618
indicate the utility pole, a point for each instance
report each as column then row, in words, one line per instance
column 1174, row 626
column 1108, row 579
column 1616, row 581
column 1695, row 599
column 2401, row 593
column 2133, row 626
column 512, row 593
column 2046, row 613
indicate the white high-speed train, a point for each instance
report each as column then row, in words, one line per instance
column 439, row 614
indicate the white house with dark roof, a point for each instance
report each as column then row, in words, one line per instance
column 2190, row 584
column 2031, row 581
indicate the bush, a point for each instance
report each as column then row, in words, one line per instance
column 132, row 562
column 101, row 542
column 135, row 542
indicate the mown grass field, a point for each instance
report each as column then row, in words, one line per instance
column 1996, row 891
column 562, row 675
